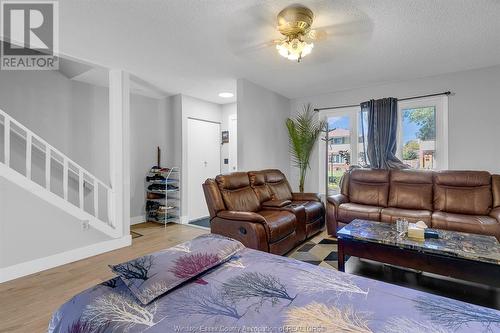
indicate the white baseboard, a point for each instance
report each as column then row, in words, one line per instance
column 184, row 219
column 197, row 226
column 41, row 264
column 137, row 219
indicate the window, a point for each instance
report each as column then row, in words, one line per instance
column 340, row 140
column 339, row 148
column 418, row 142
column 422, row 139
column 362, row 135
column 423, row 133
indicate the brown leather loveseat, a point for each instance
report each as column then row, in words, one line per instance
column 259, row 209
column 467, row 201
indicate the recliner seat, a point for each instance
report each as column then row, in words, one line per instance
column 259, row 209
column 280, row 190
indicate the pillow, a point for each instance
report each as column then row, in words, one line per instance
column 153, row 275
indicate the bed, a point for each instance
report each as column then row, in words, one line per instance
column 253, row 291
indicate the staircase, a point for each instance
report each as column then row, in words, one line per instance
column 94, row 202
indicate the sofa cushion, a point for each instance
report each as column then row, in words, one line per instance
column 241, row 200
column 344, row 183
column 476, row 224
column 314, row 210
column 233, row 180
column 274, row 175
column 278, row 185
column 281, row 223
column 390, row 215
column 237, row 193
column 411, row 189
column 369, row 187
column 463, row 192
column 350, row 211
column 258, row 183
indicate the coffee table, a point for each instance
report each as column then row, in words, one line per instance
column 456, row 254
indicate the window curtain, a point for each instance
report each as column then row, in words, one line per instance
column 381, row 140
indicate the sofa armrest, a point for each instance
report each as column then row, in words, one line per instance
column 297, row 196
column 337, row 199
column 495, row 213
column 332, row 206
column 252, row 234
column 241, row 216
column 276, row 203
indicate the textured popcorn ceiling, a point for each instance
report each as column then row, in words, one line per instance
column 200, row 47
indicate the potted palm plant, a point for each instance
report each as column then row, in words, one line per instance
column 303, row 131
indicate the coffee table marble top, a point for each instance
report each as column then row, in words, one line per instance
column 451, row 243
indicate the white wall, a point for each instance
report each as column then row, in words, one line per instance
column 149, row 127
column 174, row 132
column 31, row 228
column 473, row 124
column 228, row 110
column 262, row 135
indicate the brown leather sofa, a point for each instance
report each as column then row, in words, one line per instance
column 467, row 201
column 259, row 209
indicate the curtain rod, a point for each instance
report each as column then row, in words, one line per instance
column 399, row 99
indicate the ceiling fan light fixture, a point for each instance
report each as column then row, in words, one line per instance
column 294, row 49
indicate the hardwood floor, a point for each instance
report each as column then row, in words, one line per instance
column 27, row 303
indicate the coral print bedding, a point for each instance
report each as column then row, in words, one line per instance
column 250, row 291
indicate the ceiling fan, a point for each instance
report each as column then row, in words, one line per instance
column 340, row 28
column 294, row 23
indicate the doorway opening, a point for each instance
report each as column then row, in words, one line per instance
column 203, row 156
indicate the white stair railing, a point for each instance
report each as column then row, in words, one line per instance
column 70, row 168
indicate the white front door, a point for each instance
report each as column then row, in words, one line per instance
column 203, row 158
column 233, row 143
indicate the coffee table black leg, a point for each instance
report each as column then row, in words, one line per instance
column 340, row 256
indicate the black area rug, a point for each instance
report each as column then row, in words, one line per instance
column 201, row 222
column 320, row 250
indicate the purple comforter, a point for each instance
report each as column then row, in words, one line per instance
column 260, row 292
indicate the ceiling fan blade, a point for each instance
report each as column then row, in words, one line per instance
column 262, row 15
column 317, row 35
column 256, row 47
column 341, row 29
column 253, row 29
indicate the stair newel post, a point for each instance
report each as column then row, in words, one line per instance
column 111, row 209
column 119, row 124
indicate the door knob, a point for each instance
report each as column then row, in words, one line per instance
column 206, row 163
